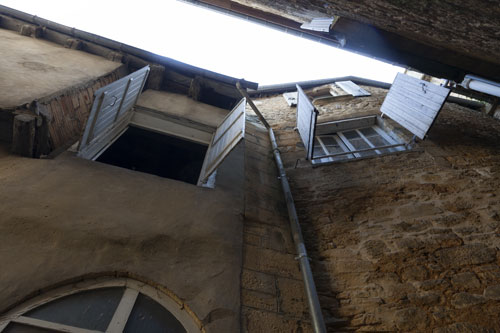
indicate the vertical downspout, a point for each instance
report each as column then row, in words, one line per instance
column 310, row 288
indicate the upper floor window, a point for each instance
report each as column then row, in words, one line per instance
column 185, row 145
column 354, row 143
column 412, row 103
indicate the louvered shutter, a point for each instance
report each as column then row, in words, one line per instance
column 306, row 121
column 228, row 134
column 414, row 103
column 111, row 113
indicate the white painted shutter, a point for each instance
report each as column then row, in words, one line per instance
column 323, row 24
column 291, row 98
column 111, row 112
column 226, row 137
column 414, row 103
column 306, row 121
column 352, row 88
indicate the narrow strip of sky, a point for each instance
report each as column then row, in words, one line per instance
column 208, row 39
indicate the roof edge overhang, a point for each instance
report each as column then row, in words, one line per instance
column 368, row 40
column 291, row 86
column 125, row 48
column 276, row 89
column 269, row 20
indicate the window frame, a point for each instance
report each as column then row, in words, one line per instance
column 412, row 103
column 168, row 300
column 113, row 112
column 350, row 151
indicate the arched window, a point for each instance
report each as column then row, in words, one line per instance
column 118, row 305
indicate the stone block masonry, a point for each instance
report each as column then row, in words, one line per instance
column 406, row 242
column 272, row 295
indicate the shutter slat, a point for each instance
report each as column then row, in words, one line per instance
column 414, row 103
column 291, row 98
column 352, row 88
column 229, row 133
column 319, row 24
column 306, row 121
column 104, row 120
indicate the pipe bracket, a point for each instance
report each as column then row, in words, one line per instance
column 302, row 255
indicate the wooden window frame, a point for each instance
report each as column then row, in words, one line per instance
column 189, row 131
column 132, row 290
column 412, row 103
column 328, row 158
column 113, row 112
column 350, row 151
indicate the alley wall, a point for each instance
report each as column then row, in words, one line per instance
column 67, row 219
column 406, row 242
column 272, row 288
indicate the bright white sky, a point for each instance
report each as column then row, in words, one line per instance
column 207, row 39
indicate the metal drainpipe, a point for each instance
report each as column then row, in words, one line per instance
column 311, row 293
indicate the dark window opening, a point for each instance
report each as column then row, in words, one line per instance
column 91, row 309
column 157, row 154
column 211, row 97
column 149, row 316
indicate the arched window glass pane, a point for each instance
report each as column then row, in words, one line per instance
column 149, row 316
column 91, row 309
column 20, row 328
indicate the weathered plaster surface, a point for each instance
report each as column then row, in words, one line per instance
column 467, row 27
column 33, row 68
column 182, row 106
column 404, row 242
column 68, row 217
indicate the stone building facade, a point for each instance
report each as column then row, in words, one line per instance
column 406, row 242
column 222, row 259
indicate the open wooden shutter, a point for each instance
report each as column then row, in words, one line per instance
column 291, row 98
column 306, row 121
column 414, row 103
column 352, row 88
column 323, row 24
column 226, row 137
column 111, row 113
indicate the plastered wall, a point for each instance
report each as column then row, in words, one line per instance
column 66, row 218
column 35, row 68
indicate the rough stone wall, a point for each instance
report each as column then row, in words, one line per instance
column 463, row 26
column 272, row 294
column 406, row 242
